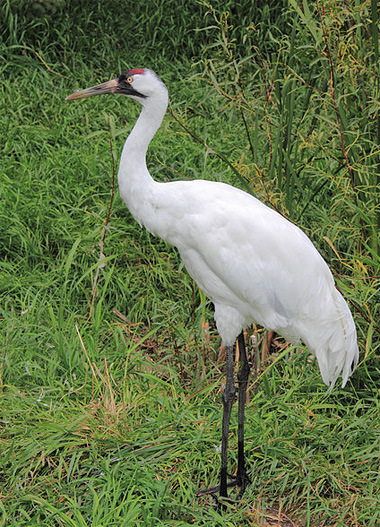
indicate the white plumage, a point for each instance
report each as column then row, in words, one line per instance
column 256, row 267
column 253, row 264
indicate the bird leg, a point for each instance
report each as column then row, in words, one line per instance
column 228, row 398
column 242, row 478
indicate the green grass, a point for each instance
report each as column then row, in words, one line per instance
column 117, row 420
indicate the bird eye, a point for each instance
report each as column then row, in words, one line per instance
column 130, row 80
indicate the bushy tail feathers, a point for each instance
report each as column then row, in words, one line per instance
column 337, row 350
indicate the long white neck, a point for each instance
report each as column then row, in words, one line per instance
column 135, row 182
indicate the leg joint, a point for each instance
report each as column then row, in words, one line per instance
column 229, row 394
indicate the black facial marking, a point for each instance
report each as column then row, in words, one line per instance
column 126, row 88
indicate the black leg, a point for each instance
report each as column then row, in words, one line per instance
column 243, row 374
column 228, row 398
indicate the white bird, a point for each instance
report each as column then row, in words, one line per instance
column 255, row 266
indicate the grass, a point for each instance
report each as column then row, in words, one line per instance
column 116, row 420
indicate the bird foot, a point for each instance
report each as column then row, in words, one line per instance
column 221, row 502
column 216, row 490
column 241, row 480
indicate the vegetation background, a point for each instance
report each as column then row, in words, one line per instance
column 110, row 375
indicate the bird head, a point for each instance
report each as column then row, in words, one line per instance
column 139, row 84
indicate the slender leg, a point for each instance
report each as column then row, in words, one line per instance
column 228, row 398
column 243, row 374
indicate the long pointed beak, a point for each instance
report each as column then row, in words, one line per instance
column 100, row 89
